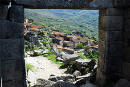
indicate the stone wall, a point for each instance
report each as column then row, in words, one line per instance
column 12, row 66
column 111, row 46
column 114, row 39
column 126, row 60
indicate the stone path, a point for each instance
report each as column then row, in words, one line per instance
column 43, row 67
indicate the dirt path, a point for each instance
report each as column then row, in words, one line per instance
column 43, row 67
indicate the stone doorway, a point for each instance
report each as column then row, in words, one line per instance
column 113, row 38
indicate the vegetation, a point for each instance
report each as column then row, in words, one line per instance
column 66, row 21
column 80, row 46
column 29, row 67
column 52, row 57
column 82, row 55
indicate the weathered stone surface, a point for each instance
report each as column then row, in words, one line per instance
column 115, row 36
column 14, row 83
column 67, row 77
column 113, row 12
column 67, row 58
column 77, row 73
column 11, row 30
column 46, row 4
column 31, row 78
column 88, row 85
column 43, row 83
column 113, row 22
column 3, row 12
column 122, row 83
column 63, row 84
column 126, row 71
column 15, row 49
column 16, row 14
column 102, row 4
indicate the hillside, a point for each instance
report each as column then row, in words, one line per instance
column 67, row 21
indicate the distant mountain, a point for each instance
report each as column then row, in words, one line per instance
column 85, row 21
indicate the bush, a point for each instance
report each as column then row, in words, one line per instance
column 80, row 46
column 82, row 55
column 53, row 59
column 92, row 55
column 29, row 67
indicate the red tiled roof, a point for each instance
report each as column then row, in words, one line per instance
column 67, row 48
column 58, row 33
column 78, row 36
column 34, row 29
column 96, row 46
column 36, row 26
column 84, row 40
column 59, row 47
column 75, row 40
column 67, row 41
column 25, row 32
column 60, row 38
column 27, row 24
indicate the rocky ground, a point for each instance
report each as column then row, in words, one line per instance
column 47, row 74
column 43, row 67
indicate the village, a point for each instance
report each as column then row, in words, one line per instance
column 73, row 52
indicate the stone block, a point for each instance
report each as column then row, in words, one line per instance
column 127, row 13
column 102, row 46
column 114, row 23
column 115, row 49
column 115, row 36
column 8, row 70
column 3, row 12
column 14, row 83
column 126, row 70
column 127, row 55
column 102, row 4
column 119, row 3
column 127, row 25
column 16, row 14
column 102, row 35
column 114, row 12
column 11, row 29
column 15, row 49
column 127, row 3
column 20, row 69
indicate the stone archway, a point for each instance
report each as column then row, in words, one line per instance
column 113, row 37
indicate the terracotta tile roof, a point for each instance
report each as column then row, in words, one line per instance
column 70, row 45
column 25, row 32
column 75, row 40
column 36, row 26
column 90, row 49
column 75, row 52
column 67, row 41
column 67, row 48
column 59, row 47
column 84, row 40
column 78, row 36
column 60, row 38
column 27, row 24
column 96, row 46
column 34, row 29
column 58, row 33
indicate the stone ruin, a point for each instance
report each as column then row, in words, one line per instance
column 114, row 38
